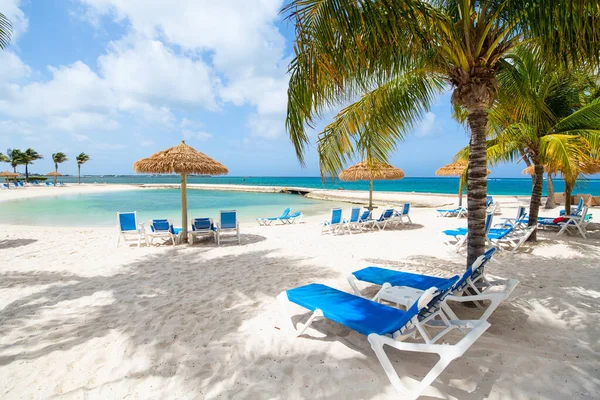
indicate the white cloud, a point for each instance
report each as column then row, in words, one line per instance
column 109, row 146
column 10, row 8
column 81, row 121
column 267, row 127
column 9, row 128
column 192, row 135
column 427, row 126
column 13, row 68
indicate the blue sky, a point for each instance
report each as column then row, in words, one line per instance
column 120, row 80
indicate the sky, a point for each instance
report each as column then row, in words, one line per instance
column 123, row 79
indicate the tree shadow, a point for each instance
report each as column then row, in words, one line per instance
column 13, row 243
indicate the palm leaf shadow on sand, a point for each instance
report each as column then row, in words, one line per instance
column 13, row 243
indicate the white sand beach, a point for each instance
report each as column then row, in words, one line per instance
column 80, row 318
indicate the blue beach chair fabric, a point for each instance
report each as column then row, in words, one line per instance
column 403, row 214
column 384, row 219
column 457, row 212
column 292, row 218
column 350, row 223
column 378, row 322
column 228, row 223
column 461, row 234
column 333, row 225
column 576, row 211
column 128, row 226
column 201, row 227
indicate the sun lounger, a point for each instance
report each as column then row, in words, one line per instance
column 457, row 212
column 163, row 228
column 518, row 222
column 334, row 224
column 292, row 218
column 578, row 222
column 406, row 287
column 389, row 326
column 364, row 220
column 402, row 215
column 385, row 218
column 201, row 227
column 228, row 224
column 270, row 220
column 461, row 234
column 576, row 211
column 4, row 186
column 350, row 223
column 129, row 228
column 512, row 236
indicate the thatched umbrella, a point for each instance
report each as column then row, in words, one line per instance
column 9, row 174
column 182, row 160
column 376, row 171
column 55, row 175
column 457, row 168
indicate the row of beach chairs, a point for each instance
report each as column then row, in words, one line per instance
column 287, row 217
column 18, row 184
column 129, row 229
column 428, row 313
column 492, row 206
column 363, row 220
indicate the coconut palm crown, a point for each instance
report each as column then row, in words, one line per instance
column 374, row 50
column 58, row 158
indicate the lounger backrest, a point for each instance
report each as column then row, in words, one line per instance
column 520, row 213
column 365, row 215
column 127, row 221
column 488, row 222
column 336, row 216
column 479, row 270
column 354, row 214
column 201, row 224
column 579, row 206
column 295, row 215
column 160, row 225
column 286, row 212
column 489, row 201
column 387, row 214
column 229, row 219
column 405, row 208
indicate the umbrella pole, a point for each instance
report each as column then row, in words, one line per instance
column 184, row 223
column 371, row 195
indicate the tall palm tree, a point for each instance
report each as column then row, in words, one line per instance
column 82, row 158
column 5, row 31
column 346, row 49
column 15, row 157
column 28, row 157
column 539, row 115
column 58, row 158
column 3, row 158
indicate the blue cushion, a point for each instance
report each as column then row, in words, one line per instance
column 127, row 222
column 379, row 276
column 456, row 232
column 361, row 315
column 160, row 225
column 228, row 219
column 201, row 224
column 336, row 216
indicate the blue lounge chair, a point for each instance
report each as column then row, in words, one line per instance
column 163, row 228
column 384, row 325
column 384, row 219
column 4, row 186
column 292, row 218
column 457, row 212
column 281, row 218
column 518, row 222
column 576, row 211
column 461, row 234
column 364, row 220
column 406, row 287
column 350, row 223
column 228, row 224
column 201, row 227
column 334, row 224
column 128, row 227
column 403, row 214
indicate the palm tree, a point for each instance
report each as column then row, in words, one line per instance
column 82, row 158
column 14, row 157
column 539, row 116
column 361, row 48
column 5, row 31
column 58, row 158
column 3, row 158
column 28, row 157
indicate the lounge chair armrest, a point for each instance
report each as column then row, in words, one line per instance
column 509, row 284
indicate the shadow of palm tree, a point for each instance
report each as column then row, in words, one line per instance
column 13, row 243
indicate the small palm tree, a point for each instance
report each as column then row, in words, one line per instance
column 28, row 157
column 82, row 158
column 364, row 49
column 14, row 157
column 58, row 158
column 5, row 31
column 3, row 158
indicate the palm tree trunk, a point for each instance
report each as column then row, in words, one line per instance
column 371, row 195
column 55, row 170
column 79, row 174
column 536, row 195
column 477, row 182
column 14, row 169
column 460, row 190
column 26, row 173
column 568, row 191
column 550, row 200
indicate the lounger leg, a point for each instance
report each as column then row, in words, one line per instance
column 284, row 308
column 352, row 281
column 118, row 239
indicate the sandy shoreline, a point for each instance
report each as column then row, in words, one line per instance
column 347, row 196
column 80, row 318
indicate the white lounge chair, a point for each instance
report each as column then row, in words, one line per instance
column 201, row 227
column 578, row 222
column 384, row 219
column 334, row 224
column 163, row 228
column 457, row 212
column 387, row 326
column 228, row 223
column 129, row 228
column 402, row 215
column 350, row 223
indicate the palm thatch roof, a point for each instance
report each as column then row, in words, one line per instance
column 530, row 170
column 377, row 171
column 53, row 173
column 9, row 174
column 457, row 168
column 590, row 167
column 180, row 159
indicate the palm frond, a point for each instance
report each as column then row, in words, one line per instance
column 5, row 31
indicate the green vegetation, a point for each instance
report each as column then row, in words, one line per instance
column 393, row 56
column 58, row 158
column 82, row 158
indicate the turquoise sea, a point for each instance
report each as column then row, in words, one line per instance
column 498, row 186
column 100, row 209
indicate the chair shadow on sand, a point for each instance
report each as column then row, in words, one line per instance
column 13, row 243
